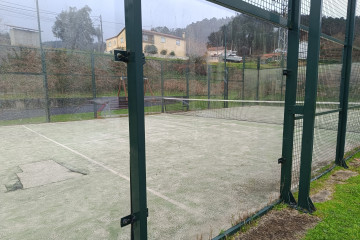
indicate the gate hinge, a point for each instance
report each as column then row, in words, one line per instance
column 123, row 56
column 281, row 160
column 130, row 219
column 286, row 72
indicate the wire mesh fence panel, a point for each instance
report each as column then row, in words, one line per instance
column 330, row 69
column 353, row 125
column 63, row 179
column 297, row 141
column 325, row 139
column 21, row 85
column 278, row 7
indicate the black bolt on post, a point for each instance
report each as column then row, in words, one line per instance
column 258, row 78
column 162, row 86
column 139, row 212
column 290, row 101
column 93, row 83
column 208, row 84
column 312, row 68
column 345, row 82
column 43, row 67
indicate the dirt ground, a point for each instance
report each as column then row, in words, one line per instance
column 290, row 224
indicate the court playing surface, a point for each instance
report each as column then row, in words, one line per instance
column 71, row 180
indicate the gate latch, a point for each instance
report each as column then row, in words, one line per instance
column 123, row 56
column 127, row 220
column 281, row 160
column 130, row 219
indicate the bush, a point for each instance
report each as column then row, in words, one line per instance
column 172, row 53
column 163, row 52
column 152, row 49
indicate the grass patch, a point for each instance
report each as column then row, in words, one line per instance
column 340, row 217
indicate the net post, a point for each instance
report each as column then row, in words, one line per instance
column 226, row 87
column 312, row 68
column 345, row 82
column 258, row 78
column 243, row 78
column 162, row 85
column 290, row 101
column 93, row 83
column 187, row 83
column 208, row 84
column 136, row 119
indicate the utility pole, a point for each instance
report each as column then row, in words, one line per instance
column 102, row 34
column 43, row 65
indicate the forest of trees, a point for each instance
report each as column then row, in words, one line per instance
column 248, row 35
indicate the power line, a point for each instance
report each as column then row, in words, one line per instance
column 30, row 9
column 34, row 9
column 24, row 14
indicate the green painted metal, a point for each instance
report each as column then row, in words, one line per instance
column 226, row 84
column 290, row 100
column 187, row 83
column 162, row 86
column 312, row 68
column 209, row 84
column 243, row 79
column 258, row 78
column 43, row 67
column 282, row 65
column 345, row 82
column 93, row 83
column 136, row 119
column 251, row 9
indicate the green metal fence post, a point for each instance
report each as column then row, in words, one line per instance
column 282, row 77
column 345, row 82
column 226, row 87
column 187, row 84
column 136, row 119
column 208, row 84
column 93, row 83
column 162, row 86
column 290, row 101
column 258, row 78
column 309, row 109
column 243, row 79
column 43, row 67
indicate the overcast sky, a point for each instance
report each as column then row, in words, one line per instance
column 170, row 13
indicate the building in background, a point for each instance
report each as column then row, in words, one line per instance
column 27, row 37
column 163, row 43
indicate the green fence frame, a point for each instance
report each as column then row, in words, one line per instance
column 307, row 110
column 139, row 211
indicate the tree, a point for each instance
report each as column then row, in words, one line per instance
column 75, row 28
column 4, row 37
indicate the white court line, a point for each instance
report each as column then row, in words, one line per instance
column 180, row 205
